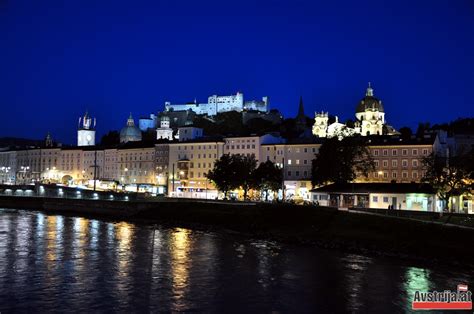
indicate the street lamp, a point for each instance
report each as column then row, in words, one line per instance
column 24, row 169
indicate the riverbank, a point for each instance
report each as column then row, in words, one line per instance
column 326, row 227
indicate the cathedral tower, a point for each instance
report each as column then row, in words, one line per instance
column 86, row 131
column 320, row 125
column 370, row 114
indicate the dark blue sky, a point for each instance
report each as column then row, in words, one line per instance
column 59, row 58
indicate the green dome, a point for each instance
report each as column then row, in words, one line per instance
column 130, row 133
column 369, row 102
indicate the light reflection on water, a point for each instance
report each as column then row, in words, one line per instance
column 56, row 263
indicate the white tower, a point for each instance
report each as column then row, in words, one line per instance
column 320, row 125
column 86, row 131
column 164, row 131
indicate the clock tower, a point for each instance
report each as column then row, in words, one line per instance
column 86, row 131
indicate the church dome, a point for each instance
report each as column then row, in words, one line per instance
column 369, row 102
column 130, row 133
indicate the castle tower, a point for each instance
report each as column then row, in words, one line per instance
column 320, row 125
column 86, row 131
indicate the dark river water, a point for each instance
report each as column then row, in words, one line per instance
column 51, row 263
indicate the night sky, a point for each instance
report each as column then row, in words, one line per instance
column 59, row 58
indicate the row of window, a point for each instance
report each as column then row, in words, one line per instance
column 414, row 175
column 414, row 163
column 238, row 146
column 297, row 150
column 184, row 156
column 297, row 173
column 198, row 147
column 240, row 141
column 375, row 199
column 414, row 152
column 198, row 165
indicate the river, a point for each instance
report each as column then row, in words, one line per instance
column 52, row 263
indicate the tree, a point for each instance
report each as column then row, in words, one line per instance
column 111, row 138
column 268, row 177
column 222, row 174
column 341, row 161
column 232, row 172
column 244, row 168
column 422, row 129
column 405, row 132
column 449, row 176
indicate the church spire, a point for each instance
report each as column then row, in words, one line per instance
column 48, row 140
column 370, row 91
column 301, row 108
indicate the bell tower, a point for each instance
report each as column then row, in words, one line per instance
column 320, row 125
column 86, row 131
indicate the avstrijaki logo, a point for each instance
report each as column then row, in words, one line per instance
column 461, row 299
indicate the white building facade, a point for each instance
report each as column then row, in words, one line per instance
column 370, row 120
column 217, row 104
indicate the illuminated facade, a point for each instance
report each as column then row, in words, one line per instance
column 370, row 120
column 217, row 104
column 398, row 160
column 295, row 159
column 188, row 164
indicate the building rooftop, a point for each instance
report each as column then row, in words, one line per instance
column 390, row 140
